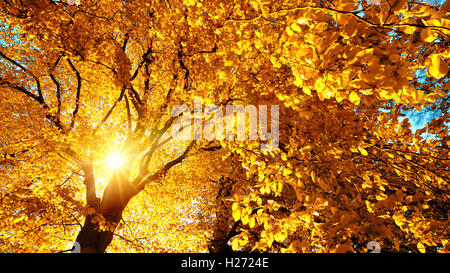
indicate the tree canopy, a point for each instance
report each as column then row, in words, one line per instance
column 84, row 83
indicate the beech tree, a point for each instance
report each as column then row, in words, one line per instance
column 86, row 84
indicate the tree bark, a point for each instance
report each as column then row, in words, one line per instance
column 115, row 199
column 94, row 240
column 224, row 227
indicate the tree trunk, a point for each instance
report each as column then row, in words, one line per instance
column 94, row 240
column 224, row 228
column 115, row 199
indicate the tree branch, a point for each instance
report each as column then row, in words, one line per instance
column 58, row 94
column 145, row 59
column 128, row 113
column 89, row 181
column 140, row 184
column 183, row 66
column 155, row 137
column 36, row 98
column 36, row 79
column 77, row 96
column 105, row 118
column 124, row 46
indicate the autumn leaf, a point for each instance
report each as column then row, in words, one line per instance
column 362, row 151
column 93, row 97
column 428, row 35
column 354, row 98
column 437, row 67
column 344, row 248
column 306, row 90
column 421, row 247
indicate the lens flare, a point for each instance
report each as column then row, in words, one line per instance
column 115, row 160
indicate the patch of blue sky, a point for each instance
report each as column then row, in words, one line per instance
column 419, row 119
column 13, row 34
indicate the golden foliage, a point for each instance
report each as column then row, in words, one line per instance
column 78, row 82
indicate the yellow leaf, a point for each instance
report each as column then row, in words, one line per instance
column 236, row 215
column 298, row 81
column 342, row 18
column 367, row 51
column 15, row 221
column 275, row 62
column 339, row 96
column 258, row 44
column 306, row 90
column 369, row 207
column 251, row 223
column 363, row 151
column 245, row 219
column 289, row 31
column 428, row 35
column 354, row 98
column 264, row 11
column 287, row 172
column 437, row 67
column 409, row 29
column 421, row 247
column 295, row 27
column 269, row 239
column 280, row 236
column 259, row 201
column 320, row 86
column 320, row 95
column 235, row 244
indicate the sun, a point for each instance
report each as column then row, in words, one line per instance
column 115, row 160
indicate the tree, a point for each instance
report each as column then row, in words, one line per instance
column 82, row 82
